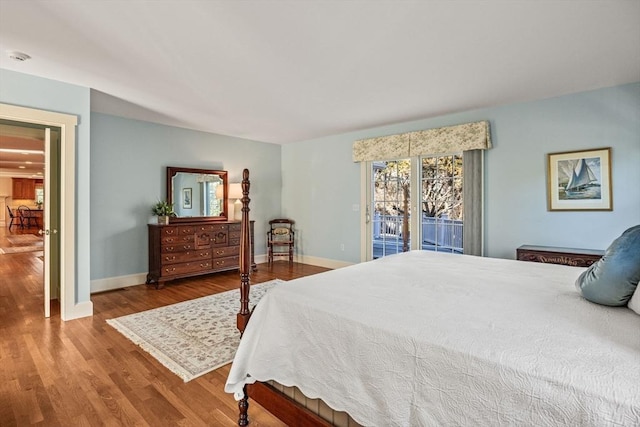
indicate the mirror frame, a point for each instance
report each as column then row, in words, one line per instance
column 172, row 171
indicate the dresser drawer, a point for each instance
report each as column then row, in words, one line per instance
column 203, row 240
column 174, row 258
column 177, row 239
column 219, row 227
column 229, row 262
column 220, row 238
column 186, row 267
column 234, row 234
column 226, row 251
column 179, row 247
column 206, row 228
column 179, row 230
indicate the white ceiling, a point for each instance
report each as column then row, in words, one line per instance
column 284, row 71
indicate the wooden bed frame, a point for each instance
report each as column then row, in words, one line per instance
column 283, row 407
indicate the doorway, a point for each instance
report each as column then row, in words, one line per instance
column 30, row 186
column 69, row 308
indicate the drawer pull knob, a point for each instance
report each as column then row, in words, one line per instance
column 170, row 258
column 169, row 231
column 169, row 270
column 205, row 254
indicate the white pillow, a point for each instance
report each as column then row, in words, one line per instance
column 634, row 302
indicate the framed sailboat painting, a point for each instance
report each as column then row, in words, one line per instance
column 580, row 180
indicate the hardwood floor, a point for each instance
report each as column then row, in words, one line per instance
column 84, row 373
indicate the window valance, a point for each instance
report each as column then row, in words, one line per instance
column 384, row 147
column 449, row 139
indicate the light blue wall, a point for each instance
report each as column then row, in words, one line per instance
column 128, row 175
column 321, row 183
column 124, row 174
column 34, row 92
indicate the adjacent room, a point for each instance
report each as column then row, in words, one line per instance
column 414, row 213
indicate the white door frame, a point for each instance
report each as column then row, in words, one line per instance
column 365, row 219
column 67, row 124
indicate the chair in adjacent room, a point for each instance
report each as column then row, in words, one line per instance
column 280, row 239
column 14, row 217
column 27, row 217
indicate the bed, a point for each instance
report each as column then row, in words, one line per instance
column 421, row 339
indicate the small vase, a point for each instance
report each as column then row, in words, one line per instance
column 164, row 220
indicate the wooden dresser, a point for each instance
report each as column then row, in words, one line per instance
column 189, row 249
column 565, row 256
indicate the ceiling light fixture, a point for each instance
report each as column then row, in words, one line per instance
column 18, row 56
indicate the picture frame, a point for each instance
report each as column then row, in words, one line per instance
column 187, row 200
column 580, row 180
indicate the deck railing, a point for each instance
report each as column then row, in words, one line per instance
column 436, row 232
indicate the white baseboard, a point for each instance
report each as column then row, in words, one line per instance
column 111, row 283
column 119, row 282
column 83, row 309
column 321, row 262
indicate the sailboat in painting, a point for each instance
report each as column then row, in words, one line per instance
column 581, row 177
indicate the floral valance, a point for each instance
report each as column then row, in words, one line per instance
column 449, row 139
column 384, row 147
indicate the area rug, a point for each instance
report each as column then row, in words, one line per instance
column 21, row 239
column 193, row 337
column 20, row 249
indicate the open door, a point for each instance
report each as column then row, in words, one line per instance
column 51, row 219
column 46, row 220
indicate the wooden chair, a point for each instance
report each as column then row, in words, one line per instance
column 27, row 217
column 280, row 235
column 14, row 217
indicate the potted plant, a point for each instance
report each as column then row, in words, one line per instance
column 163, row 210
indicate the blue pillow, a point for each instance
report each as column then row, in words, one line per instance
column 613, row 279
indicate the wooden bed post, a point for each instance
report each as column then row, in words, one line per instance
column 245, row 256
column 245, row 265
column 283, row 407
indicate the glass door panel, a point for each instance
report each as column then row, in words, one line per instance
column 441, row 202
column 390, row 205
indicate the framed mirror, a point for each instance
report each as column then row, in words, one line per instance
column 197, row 194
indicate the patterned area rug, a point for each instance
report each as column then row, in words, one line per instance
column 193, row 337
column 20, row 249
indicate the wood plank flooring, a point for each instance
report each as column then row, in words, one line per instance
column 84, row 373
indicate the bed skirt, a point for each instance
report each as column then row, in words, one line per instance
column 316, row 406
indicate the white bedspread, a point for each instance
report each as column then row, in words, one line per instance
column 427, row 339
